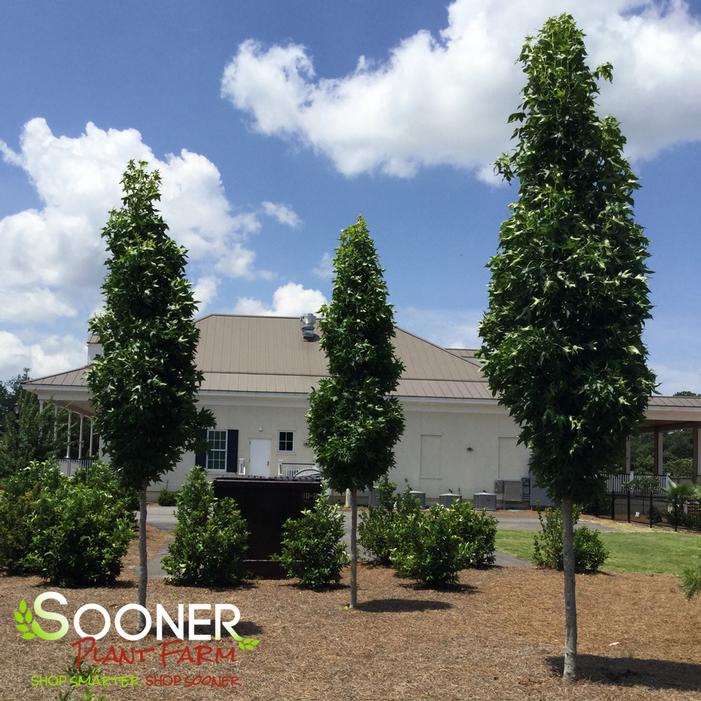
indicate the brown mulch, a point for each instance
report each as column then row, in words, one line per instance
column 497, row 636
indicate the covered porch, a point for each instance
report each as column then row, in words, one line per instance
column 74, row 418
column 666, row 414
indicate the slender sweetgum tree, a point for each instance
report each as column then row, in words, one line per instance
column 144, row 384
column 354, row 420
column 568, row 297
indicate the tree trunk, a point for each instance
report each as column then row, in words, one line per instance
column 354, row 549
column 143, row 558
column 569, row 671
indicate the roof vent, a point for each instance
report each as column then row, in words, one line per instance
column 308, row 327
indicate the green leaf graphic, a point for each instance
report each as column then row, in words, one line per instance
column 23, row 617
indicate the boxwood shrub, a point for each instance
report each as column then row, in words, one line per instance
column 211, row 536
column 312, row 545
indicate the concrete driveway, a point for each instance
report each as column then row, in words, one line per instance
column 528, row 521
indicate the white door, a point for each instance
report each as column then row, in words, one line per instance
column 260, row 457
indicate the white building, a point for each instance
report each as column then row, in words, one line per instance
column 258, row 372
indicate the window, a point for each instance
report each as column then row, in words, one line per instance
column 286, row 443
column 216, row 450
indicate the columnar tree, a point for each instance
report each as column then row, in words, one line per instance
column 28, row 435
column 568, row 296
column 144, row 384
column 353, row 420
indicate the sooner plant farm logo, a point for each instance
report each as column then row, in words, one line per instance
column 27, row 621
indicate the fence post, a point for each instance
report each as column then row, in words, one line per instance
column 628, row 505
column 650, row 508
column 613, row 506
column 676, row 512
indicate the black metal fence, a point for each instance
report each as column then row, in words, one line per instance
column 651, row 509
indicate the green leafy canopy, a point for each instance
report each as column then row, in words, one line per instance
column 353, row 421
column 568, row 296
column 144, row 385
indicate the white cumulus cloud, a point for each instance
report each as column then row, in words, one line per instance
column 444, row 100
column 46, row 356
column 291, row 299
column 52, row 255
column 282, row 213
column 324, row 268
column 204, row 291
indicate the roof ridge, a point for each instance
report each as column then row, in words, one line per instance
column 431, row 343
column 56, row 374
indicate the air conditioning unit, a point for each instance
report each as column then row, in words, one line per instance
column 485, row 500
column 448, row 498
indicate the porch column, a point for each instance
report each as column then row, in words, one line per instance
column 68, row 436
column 56, row 426
column 659, row 452
column 91, row 438
column 696, row 461
column 628, row 454
column 41, row 406
column 80, row 437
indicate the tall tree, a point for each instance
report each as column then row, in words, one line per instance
column 29, row 434
column 354, row 422
column 568, row 296
column 10, row 394
column 144, row 385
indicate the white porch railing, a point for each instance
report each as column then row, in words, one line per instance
column 615, row 483
column 70, row 465
column 298, row 469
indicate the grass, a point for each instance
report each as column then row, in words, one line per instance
column 654, row 552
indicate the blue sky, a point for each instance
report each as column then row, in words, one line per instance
column 283, row 121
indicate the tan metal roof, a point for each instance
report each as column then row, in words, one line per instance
column 675, row 401
column 268, row 354
column 466, row 354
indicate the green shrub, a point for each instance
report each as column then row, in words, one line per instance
column 19, row 496
column 691, row 581
column 589, row 550
column 167, row 497
column 82, row 529
column 312, row 547
column 429, row 545
column 375, row 530
column 478, row 528
column 210, row 536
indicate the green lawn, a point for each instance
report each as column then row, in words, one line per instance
column 666, row 553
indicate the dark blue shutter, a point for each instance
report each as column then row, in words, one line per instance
column 232, row 450
column 201, row 448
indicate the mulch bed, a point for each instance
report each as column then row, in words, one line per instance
column 496, row 636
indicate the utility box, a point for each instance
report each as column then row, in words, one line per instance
column 448, row 498
column 420, row 498
column 266, row 503
column 485, row 500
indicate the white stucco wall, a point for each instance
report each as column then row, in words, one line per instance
column 464, row 447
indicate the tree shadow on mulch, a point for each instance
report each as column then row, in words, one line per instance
column 296, row 584
column 459, row 587
column 119, row 584
column 402, row 605
column 631, row 671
